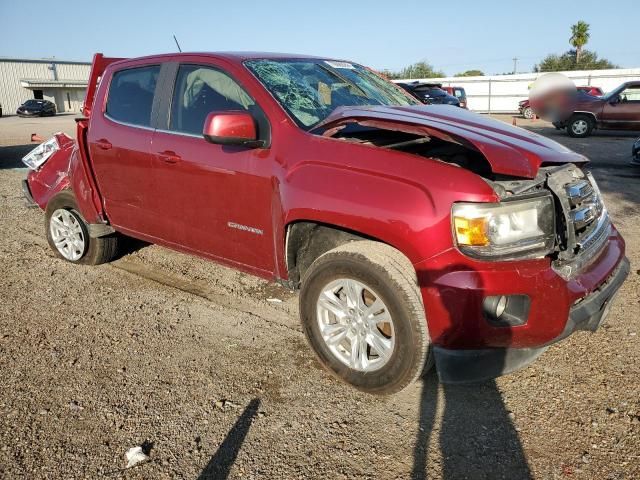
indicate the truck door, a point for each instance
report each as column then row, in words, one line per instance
column 214, row 199
column 623, row 110
column 119, row 140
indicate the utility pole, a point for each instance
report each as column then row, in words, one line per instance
column 515, row 65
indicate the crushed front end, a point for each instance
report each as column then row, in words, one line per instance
column 496, row 316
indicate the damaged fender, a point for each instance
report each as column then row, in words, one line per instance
column 66, row 169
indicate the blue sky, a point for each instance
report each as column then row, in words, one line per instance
column 453, row 36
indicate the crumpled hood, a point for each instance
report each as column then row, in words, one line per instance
column 509, row 150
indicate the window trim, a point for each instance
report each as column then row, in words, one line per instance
column 154, row 101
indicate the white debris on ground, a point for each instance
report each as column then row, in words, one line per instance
column 274, row 300
column 135, row 455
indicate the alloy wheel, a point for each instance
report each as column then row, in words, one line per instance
column 67, row 234
column 580, row 127
column 355, row 324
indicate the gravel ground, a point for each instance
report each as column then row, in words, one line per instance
column 194, row 362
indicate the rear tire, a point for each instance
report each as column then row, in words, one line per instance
column 580, row 126
column 387, row 321
column 68, row 234
column 528, row 113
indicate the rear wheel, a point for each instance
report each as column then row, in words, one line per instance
column 580, row 126
column 528, row 113
column 68, row 234
column 363, row 315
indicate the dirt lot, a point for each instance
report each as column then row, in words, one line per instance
column 193, row 359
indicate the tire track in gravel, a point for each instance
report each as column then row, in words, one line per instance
column 200, row 289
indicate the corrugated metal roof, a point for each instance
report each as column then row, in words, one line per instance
column 43, row 60
column 40, row 83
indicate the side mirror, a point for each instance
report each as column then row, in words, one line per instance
column 614, row 100
column 231, row 128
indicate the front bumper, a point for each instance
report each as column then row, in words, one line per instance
column 470, row 346
column 463, row 366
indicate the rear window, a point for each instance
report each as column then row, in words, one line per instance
column 131, row 95
column 432, row 91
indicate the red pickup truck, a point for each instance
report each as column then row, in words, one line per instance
column 524, row 106
column 618, row 109
column 415, row 233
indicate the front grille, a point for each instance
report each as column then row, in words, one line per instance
column 583, row 223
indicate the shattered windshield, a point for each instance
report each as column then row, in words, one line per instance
column 310, row 89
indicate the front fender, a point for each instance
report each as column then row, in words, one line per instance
column 409, row 214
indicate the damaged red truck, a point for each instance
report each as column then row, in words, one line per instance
column 415, row 233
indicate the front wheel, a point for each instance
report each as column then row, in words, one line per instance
column 363, row 315
column 68, row 234
column 528, row 113
column 580, row 126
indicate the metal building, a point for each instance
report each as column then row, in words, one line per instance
column 61, row 82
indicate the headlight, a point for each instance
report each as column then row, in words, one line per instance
column 41, row 153
column 515, row 229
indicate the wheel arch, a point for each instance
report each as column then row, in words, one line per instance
column 307, row 239
column 590, row 114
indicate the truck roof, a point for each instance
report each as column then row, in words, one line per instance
column 233, row 56
column 100, row 63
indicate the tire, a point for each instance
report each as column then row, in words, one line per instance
column 86, row 250
column 580, row 126
column 386, row 275
column 528, row 113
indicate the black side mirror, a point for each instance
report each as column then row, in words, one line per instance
column 615, row 100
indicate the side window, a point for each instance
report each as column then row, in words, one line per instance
column 201, row 90
column 631, row 94
column 131, row 95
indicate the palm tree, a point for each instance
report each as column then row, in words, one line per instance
column 579, row 37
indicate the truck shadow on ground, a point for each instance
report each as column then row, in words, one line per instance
column 11, row 156
column 477, row 437
column 219, row 466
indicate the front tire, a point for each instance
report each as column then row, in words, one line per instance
column 580, row 126
column 68, row 234
column 363, row 315
column 528, row 113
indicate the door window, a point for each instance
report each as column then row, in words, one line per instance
column 131, row 95
column 201, row 90
column 630, row 94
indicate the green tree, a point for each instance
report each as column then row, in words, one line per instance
column 470, row 73
column 579, row 38
column 576, row 59
column 568, row 61
column 421, row 70
column 416, row 70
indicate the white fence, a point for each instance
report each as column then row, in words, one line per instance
column 501, row 93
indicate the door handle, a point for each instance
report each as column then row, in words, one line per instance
column 169, row 156
column 104, row 144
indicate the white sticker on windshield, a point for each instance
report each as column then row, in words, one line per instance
column 334, row 64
